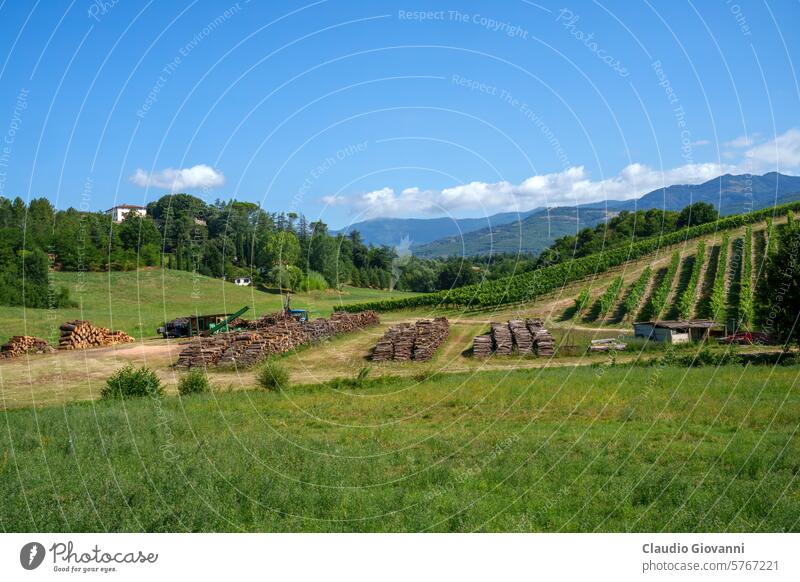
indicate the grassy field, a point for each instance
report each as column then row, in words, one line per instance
column 140, row 301
column 572, row 449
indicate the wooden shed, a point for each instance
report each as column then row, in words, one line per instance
column 676, row 331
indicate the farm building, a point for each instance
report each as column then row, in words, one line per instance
column 243, row 281
column 676, row 331
column 118, row 213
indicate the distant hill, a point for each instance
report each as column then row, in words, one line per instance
column 729, row 194
column 391, row 231
column 530, row 235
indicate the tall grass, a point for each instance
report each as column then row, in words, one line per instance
column 704, row 449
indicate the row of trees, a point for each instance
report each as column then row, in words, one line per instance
column 221, row 239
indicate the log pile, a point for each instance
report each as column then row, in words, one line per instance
column 406, row 341
column 78, row 335
column 271, row 334
column 482, row 346
column 523, row 340
column 503, row 342
column 523, row 336
column 543, row 341
column 430, row 335
column 19, row 345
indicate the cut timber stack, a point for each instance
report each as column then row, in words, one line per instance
column 523, row 340
column 543, row 341
column 19, row 345
column 503, row 341
column 430, row 335
column 271, row 334
column 482, row 346
column 525, row 336
column 406, row 341
column 77, row 335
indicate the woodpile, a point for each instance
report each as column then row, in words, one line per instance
column 19, row 345
column 78, row 335
column 482, row 346
column 544, row 344
column 517, row 335
column 271, row 334
column 406, row 341
column 503, row 342
column 523, row 340
column 430, row 335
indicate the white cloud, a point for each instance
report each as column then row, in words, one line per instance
column 700, row 142
column 570, row 187
column 781, row 153
column 333, row 200
column 742, row 141
column 199, row 176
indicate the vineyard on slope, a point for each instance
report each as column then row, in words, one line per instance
column 526, row 287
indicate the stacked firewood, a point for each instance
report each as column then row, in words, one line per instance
column 523, row 340
column 543, row 341
column 503, row 342
column 262, row 339
column 482, row 346
column 418, row 341
column 77, row 335
column 430, row 335
column 384, row 349
column 524, row 337
column 266, row 320
column 19, row 345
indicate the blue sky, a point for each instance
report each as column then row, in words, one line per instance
column 347, row 110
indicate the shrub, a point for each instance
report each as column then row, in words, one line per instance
column 194, row 382
column 273, row 376
column 313, row 281
column 131, row 382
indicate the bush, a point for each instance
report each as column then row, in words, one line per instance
column 195, row 382
column 313, row 281
column 130, row 382
column 273, row 376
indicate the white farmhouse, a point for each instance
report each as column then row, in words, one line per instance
column 118, row 213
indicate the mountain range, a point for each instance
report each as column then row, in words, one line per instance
column 535, row 230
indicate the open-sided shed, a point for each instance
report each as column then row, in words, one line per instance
column 676, row 331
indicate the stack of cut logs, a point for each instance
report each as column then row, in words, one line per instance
column 543, row 341
column 19, row 345
column 523, row 340
column 78, row 335
column 502, row 339
column 430, row 335
column 271, row 334
column 406, row 341
column 524, row 336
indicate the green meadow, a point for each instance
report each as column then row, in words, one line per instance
column 602, row 448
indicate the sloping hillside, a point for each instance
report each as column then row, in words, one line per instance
column 729, row 194
column 139, row 301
